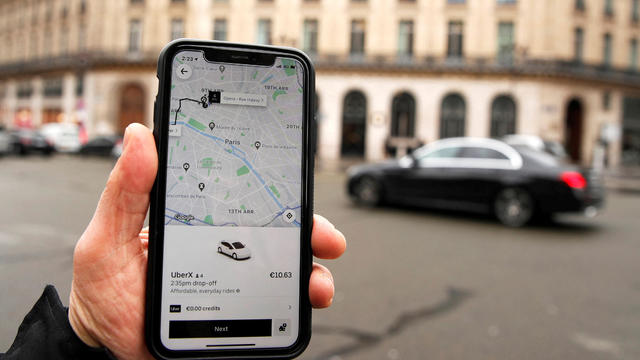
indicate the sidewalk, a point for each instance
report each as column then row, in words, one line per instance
column 626, row 179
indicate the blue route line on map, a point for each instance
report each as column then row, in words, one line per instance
column 247, row 163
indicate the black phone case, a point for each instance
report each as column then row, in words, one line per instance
column 156, row 226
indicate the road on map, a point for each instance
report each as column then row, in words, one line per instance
column 413, row 284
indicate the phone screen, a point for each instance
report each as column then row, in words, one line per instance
column 232, row 229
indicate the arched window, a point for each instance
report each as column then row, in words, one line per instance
column 403, row 115
column 573, row 129
column 132, row 106
column 503, row 116
column 354, row 120
column 452, row 116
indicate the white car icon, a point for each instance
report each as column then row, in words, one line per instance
column 236, row 250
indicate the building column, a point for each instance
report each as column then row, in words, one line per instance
column 477, row 122
column 36, row 102
column 329, row 128
column 378, row 119
column 68, row 96
column 10, row 103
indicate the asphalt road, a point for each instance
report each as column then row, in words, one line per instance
column 414, row 284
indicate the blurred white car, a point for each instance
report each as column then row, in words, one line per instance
column 236, row 250
column 64, row 136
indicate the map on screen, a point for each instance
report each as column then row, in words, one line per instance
column 235, row 143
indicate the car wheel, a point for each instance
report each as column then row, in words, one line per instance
column 368, row 191
column 513, row 207
column 220, row 250
column 19, row 149
column 234, row 256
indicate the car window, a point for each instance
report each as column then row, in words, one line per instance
column 238, row 245
column 447, row 152
column 226, row 244
column 476, row 152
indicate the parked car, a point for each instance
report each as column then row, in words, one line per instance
column 476, row 174
column 116, row 152
column 27, row 141
column 535, row 142
column 5, row 141
column 64, row 136
column 236, row 250
column 101, row 145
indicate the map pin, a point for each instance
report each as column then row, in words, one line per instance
column 257, row 145
column 221, row 67
column 185, row 166
column 201, row 186
column 212, row 125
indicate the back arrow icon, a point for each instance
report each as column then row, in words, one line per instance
column 182, row 71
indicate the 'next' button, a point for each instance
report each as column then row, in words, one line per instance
column 183, row 329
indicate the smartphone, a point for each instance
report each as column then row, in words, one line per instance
column 231, row 209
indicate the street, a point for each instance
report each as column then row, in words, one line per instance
column 413, row 284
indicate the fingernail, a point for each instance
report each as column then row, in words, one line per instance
column 327, row 277
column 126, row 137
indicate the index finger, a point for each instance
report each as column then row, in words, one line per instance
column 327, row 242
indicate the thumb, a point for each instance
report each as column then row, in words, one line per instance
column 123, row 205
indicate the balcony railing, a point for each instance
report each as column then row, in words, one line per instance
column 483, row 65
column 379, row 63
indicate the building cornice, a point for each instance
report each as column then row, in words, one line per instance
column 373, row 65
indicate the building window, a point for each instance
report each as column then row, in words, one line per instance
column 503, row 116
column 310, row 36
column 25, row 90
column 220, row 29
column 452, row 116
column 135, row 35
column 633, row 54
column 606, row 50
column 403, row 114
column 635, row 11
column 579, row 5
column 506, row 42
column 177, row 29
column 608, row 7
column 357, row 37
column 354, row 121
column 578, row 44
column 264, row 32
column 405, row 38
column 79, row 84
column 606, row 100
column 455, row 39
column 52, row 87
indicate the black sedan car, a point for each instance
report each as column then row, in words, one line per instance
column 476, row 174
column 101, row 145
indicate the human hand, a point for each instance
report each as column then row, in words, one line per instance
column 106, row 305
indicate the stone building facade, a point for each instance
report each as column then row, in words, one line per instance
column 391, row 74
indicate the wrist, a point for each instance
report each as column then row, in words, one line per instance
column 77, row 319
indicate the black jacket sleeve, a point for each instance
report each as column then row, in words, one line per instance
column 45, row 333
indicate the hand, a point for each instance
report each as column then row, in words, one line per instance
column 106, row 306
